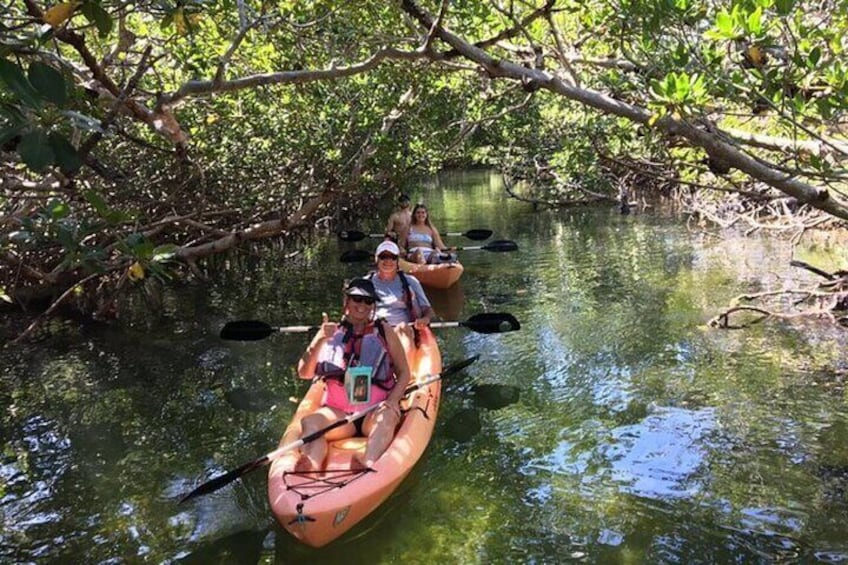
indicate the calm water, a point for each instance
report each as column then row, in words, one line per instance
column 638, row 436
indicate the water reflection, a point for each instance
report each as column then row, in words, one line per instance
column 611, row 428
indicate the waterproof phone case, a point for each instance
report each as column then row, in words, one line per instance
column 358, row 385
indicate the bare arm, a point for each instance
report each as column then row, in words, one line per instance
column 402, row 241
column 438, row 244
column 309, row 360
column 425, row 318
column 390, row 225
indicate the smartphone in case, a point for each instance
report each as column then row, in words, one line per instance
column 358, row 385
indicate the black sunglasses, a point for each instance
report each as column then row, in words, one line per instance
column 360, row 299
column 386, row 257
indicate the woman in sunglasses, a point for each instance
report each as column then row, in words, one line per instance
column 401, row 299
column 362, row 363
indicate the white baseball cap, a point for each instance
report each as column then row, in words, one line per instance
column 389, row 246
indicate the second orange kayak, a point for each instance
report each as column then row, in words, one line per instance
column 441, row 275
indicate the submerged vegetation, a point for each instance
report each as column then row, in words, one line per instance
column 139, row 139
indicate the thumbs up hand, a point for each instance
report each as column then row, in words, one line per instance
column 328, row 328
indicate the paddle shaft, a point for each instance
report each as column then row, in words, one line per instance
column 346, row 420
column 230, row 476
column 253, row 330
column 503, row 245
column 443, row 234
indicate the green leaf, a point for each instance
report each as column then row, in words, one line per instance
column 682, row 90
column 164, row 252
column 814, row 57
column 58, row 209
column 754, row 22
column 48, row 82
column 724, row 23
column 144, row 250
column 784, row 6
column 135, row 239
column 35, row 150
column 167, row 21
column 97, row 202
column 9, row 132
column 95, row 14
column 16, row 83
column 66, row 236
column 66, row 154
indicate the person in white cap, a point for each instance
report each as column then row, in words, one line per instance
column 402, row 301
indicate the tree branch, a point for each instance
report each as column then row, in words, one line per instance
column 715, row 146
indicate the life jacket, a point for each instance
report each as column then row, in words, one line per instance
column 346, row 349
column 408, row 297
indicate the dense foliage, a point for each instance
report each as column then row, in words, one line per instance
column 137, row 134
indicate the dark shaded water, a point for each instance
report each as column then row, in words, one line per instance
column 613, row 428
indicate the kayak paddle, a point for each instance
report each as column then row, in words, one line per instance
column 485, row 323
column 497, row 246
column 254, row 330
column 355, row 235
column 230, row 476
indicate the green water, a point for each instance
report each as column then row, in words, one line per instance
column 638, row 435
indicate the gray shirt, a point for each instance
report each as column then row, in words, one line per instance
column 392, row 303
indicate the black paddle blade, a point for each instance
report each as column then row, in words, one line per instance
column 478, row 235
column 225, row 479
column 352, row 235
column 492, row 323
column 246, row 330
column 501, row 246
column 458, row 366
column 355, row 256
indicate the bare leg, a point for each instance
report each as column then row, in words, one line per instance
column 314, row 452
column 406, row 335
column 380, row 428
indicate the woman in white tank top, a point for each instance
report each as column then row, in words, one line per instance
column 422, row 241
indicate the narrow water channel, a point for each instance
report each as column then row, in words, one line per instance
column 615, row 427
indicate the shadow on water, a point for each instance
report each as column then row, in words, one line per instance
column 447, row 303
column 241, row 548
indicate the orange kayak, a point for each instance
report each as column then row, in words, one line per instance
column 318, row 507
column 441, row 275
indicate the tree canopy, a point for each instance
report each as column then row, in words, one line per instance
column 138, row 137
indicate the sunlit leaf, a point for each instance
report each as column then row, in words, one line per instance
column 164, row 252
column 60, row 13
column 724, row 23
column 755, row 21
column 58, row 209
column 135, row 272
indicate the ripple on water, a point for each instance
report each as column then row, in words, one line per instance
column 657, row 458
